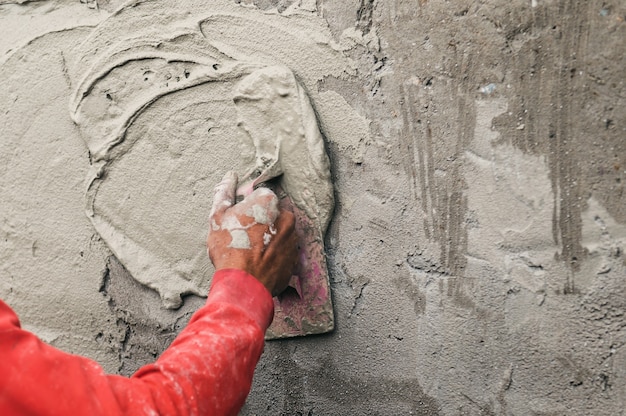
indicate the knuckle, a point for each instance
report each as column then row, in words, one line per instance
column 263, row 193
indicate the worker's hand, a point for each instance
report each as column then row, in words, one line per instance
column 253, row 235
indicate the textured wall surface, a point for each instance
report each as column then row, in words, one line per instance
column 477, row 248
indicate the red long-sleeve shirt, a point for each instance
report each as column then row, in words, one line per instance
column 206, row 371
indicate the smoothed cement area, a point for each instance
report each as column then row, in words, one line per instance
column 477, row 155
column 161, row 91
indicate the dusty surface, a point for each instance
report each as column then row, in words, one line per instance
column 477, row 248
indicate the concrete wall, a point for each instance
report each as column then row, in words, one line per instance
column 477, row 248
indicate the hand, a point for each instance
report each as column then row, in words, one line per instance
column 254, row 235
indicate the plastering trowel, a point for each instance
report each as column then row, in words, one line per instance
column 291, row 160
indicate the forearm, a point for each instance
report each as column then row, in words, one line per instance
column 207, row 370
column 218, row 350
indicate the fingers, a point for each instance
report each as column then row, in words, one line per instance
column 286, row 224
column 285, row 239
column 282, row 252
column 224, row 195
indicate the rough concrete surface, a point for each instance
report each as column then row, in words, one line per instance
column 476, row 252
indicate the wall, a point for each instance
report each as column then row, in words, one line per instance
column 477, row 248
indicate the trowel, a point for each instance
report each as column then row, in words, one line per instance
column 305, row 306
column 291, row 160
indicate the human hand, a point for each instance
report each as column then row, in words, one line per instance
column 255, row 235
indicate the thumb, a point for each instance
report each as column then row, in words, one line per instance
column 224, row 195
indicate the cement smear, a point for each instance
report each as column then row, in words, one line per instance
column 276, row 113
column 154, row 103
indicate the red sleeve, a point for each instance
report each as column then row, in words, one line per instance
column 206, row 371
